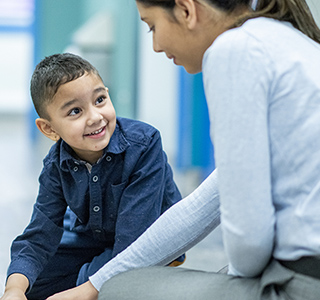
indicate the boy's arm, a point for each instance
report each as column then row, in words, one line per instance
column 16, row 287
column 31, row 250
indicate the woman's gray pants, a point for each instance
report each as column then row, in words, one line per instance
column 166, row 283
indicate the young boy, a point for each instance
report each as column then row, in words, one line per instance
column 104, row 181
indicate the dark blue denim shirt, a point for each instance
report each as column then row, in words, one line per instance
column 125, row 192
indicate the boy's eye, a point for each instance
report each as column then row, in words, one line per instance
column 74, row 111
column 100, row 100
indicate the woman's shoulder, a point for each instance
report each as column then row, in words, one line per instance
column 256, row 36
column 258, row 29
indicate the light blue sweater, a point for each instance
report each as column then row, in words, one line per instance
column 262, row 82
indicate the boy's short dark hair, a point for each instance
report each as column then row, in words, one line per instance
column 52, row 72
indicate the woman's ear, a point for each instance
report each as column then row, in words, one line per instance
column 45, row 127
column 187, row 10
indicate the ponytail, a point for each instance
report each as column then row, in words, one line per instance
column 296, row 12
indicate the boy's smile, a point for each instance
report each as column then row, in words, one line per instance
column 82, row 114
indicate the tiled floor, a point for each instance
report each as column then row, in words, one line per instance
column 21, row 162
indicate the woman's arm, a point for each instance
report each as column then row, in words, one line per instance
column 177, row 230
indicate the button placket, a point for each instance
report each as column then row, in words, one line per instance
column 95, row 195
column 96, row 208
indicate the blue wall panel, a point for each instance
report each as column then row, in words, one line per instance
column 195, row 149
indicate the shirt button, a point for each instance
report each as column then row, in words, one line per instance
column 108, row 158
column 98, row 231
column 75, row 169
column 96, row 208
column 95, row 178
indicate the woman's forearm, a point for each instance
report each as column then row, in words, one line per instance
column 177, row 230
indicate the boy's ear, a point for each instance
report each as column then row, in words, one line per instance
column 188, row 11
column 45, row 127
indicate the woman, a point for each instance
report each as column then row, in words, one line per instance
column 262, row 84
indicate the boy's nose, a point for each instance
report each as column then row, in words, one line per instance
column 94, row 117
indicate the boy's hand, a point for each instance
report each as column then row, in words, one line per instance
column 16, row 287
column 84, row 291
column 14, row 294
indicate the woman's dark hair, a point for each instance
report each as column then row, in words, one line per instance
column 52, row 72
column 296, row 12
column 161, row 3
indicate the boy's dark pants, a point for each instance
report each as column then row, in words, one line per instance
column 61, row 273
column 77, row 258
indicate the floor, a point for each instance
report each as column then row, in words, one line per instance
column 21, row 162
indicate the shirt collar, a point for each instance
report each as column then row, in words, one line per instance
column 118, row 144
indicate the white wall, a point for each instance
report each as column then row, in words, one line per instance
column 16, row 55
column 315, row 9
column 16, row 61
column 157, row 92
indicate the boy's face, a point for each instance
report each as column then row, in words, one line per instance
column 82, row 114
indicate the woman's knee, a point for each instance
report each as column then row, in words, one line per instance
column 122, row 286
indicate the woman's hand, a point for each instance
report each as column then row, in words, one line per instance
column 84, row 291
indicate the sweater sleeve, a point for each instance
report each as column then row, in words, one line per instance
column 238, row 79
column 174, row 232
